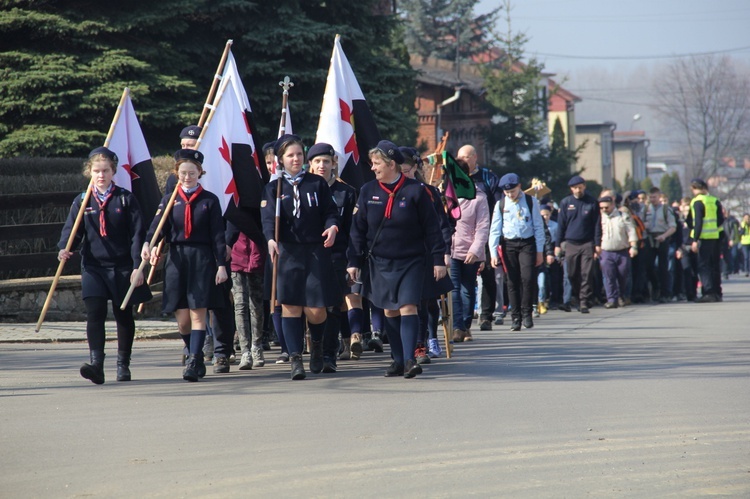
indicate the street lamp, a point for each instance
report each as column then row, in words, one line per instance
column 636, row 117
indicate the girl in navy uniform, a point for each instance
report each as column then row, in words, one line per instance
column 110, row 238
column 308, row 227
column 322, row 160
column 196, row 266
column 429, row 310
column 393, row 225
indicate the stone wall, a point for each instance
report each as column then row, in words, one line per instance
column 21, row 300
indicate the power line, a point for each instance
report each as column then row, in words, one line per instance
column 641, row 57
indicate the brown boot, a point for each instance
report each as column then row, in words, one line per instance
column 458, row 336
column 467, row 336
column 356, row 346
column 346, row 353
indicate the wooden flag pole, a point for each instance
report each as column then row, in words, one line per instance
column 79, row 216
column 285, row 84
column 204, row 114
column 144, row 262
column 215, row 84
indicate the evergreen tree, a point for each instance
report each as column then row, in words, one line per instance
column 647, row 184
column 516, row 100
column 433, row 27
column 629, row 183
column 671, row 186
column 65, row 64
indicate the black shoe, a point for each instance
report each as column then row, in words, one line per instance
column 395, row 369
column 584, row 310
column 412, row 369
column 298, row 369
column 190, row 373
column 95, row 370
column 329, row 364
column 610, row 304
column 528, row 322
column 123, row 366
column 707, row 299
column 375, row 343
column 221, row 365
column 565, row 307
column 485, row 326
column 664, row 299
column 200, row 365
column 515, row 324
column 366, row 337
column 316, row 357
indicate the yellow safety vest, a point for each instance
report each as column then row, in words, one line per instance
column 710, row 229
column 745, row 237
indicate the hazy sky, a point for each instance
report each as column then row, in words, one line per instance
column 607, row 52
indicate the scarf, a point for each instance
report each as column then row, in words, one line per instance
column 102, row 199
column 294, row 182
column 188, row 209
column 392, row 194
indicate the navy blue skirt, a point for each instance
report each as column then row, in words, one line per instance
column 392, row 283
column 431, row 287
column 111, row 283
column 190, row 279
column 306, row 276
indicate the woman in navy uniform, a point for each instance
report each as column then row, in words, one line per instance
column 395, row 228
column 110, row 238
column 429, row 310
column 307, row 230
column 196, row 266
column 322, row 160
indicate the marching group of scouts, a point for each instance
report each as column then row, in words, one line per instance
column 390, row 247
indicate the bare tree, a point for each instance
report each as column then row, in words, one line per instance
column 706, row 102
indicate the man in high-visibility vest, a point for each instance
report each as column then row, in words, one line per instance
column 705, row 220
column 745, row 243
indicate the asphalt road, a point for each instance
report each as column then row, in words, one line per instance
column 647, row 401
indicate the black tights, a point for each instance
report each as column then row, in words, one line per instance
column 96, row 314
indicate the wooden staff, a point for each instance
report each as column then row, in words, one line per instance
column 285, row 84
column 155, row 238
column 79, row 217
column 204, row 114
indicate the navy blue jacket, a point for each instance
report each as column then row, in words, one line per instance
column 345, row 197
column 207, row 224
column 578, row 221
column 446, row 229
column 121, row 248
column 413, row 225
column 318, row 211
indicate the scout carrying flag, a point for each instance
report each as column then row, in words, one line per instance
column 457, row 185
column 346, row 122
column 135, row 172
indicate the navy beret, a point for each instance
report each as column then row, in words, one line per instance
column 699, row 182
column 191, row 132
column 391, row 151
column 618, row 199
column 189, row 154
column 545, row 207
column 575, row 181
column 320, row 149
column 283, row 140
column 605, row 199
column 509, row 181
column 268, row 146
column 411, row 152
column 108, row 153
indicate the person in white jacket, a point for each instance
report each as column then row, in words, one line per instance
column 619, row 245
column 467, row 255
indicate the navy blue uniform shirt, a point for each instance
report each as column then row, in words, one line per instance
column 345, row 197
column 125, row 231
column 413, row 225
column 578, row 220
column 318, row 210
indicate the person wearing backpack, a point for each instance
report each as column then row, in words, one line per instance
column 660, row 224
column 517, row 227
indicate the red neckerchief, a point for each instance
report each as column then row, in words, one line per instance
column 392, row 194
column 102, row 205
column 188, row 210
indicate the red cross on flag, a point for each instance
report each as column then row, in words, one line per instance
column 135, row 172
column 346, row 121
